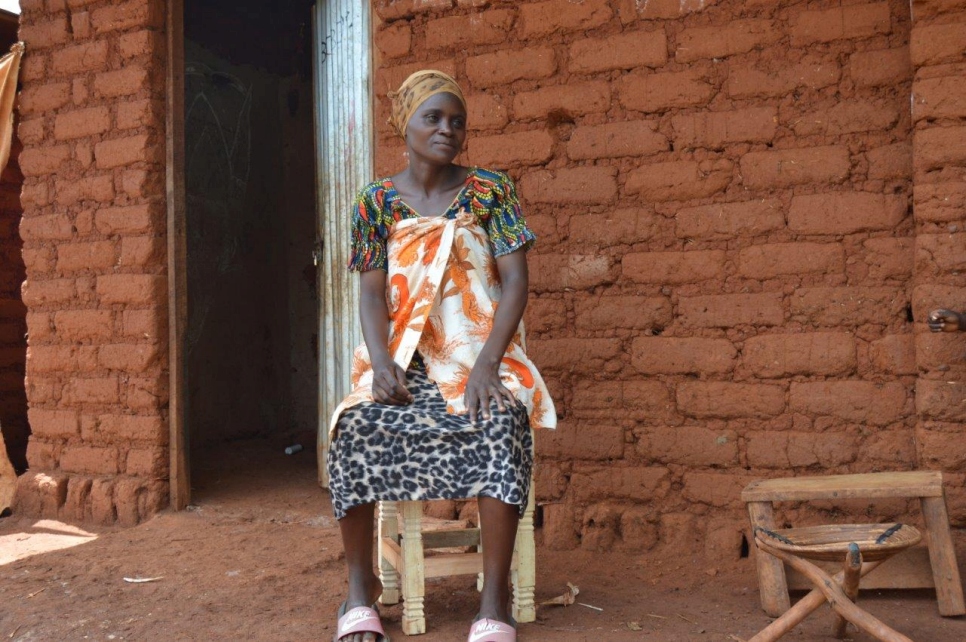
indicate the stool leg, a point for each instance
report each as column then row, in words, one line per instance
column 850, row 585
column 413, row 578
column 942, row 557
column 524, row 575
column 388, row 575
column 771, row 572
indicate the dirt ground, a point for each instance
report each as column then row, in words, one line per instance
column 258, row 557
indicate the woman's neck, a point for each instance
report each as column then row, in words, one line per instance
column 427, row 179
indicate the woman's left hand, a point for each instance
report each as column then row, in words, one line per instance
column 483, row 385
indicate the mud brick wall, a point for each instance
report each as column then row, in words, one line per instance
column 93, row 229
column 13, row 330
column 938, row 54
column 722, row 286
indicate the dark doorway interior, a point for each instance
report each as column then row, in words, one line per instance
column 13, row 313
column 251, row 373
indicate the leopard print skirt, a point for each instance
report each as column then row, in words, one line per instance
column 421, row 452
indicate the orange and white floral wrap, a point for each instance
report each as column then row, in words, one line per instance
column 443, row 291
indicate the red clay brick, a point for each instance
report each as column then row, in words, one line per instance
column 31, row 132
column 939, row 147
column 61, row 359
column 141, row 183
column 505, row 66
column 124, row 82
column 638, row 312
column 679, row 180
column 46, row 228
column 894, row 354
column 485, row 111
column 812, row 73
column 938, row 43
column 690, row 446
column 89, row 460
column 40, row 161
column 544, row 315
column 395, row 39
column 800, row 450
column 618, row 482
column 890, row 162
column 147, row 462
column 584, row 442
column 148, row 394
column 82, row 123
column 38, row 261
column 41, row 35
column 776, row 259
column 788, row 167
column 152, row 323
column 862, row 402
column 723, row 400
column 570, row 100
column 667, row 355
column 847, row 117
column 729, row 310
column 841, row 23
column 141, row 43
column 84, row 325
column 673, row 267
column 557, row 272
column 40, row 326
column 33, row 68
column 80, row 25
column 612, row 227
column 540, row 19
column 889, row 258
column 729, row 220
column 941, row 202
column 128, row 358
column 935, row 98
column 126, row 151
column 125, row 15
column 96, row 390
column 390, row 10
column 774, row 356
column 630, row 50
column 53, row 424
column 143, row 251
column 845, row 212
column 632, row 138
column 716, row 129
column 658, row 92
column 38, row 293
column 631, row 10
column 133, row 428
column 848, row 306
column 511, row 150
column 133, row 289
column 89, row 188
column 716, row 489
column 97, row 255
column 880, row 68
column 44, row 98
column 575, row 185
column 941, row 400
column 940, row 254
column 89, row 56
column 128, row 220
column 479, row 28
column 584, row 356
column 720, row 41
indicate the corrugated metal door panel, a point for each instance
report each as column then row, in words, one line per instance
column 344, row 143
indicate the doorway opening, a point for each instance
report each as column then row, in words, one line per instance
column 250, row 338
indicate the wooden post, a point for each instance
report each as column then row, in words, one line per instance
column 413, row 575
column 388, row 575
column 771, row 573
column 850, row 585
column 942, row 556
column 525, row 575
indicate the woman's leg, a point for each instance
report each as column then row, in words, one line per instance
column 364, row 586
column 498, row 523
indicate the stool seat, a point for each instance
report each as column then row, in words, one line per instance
column 832, row 542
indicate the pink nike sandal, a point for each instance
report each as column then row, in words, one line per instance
column 361, row 619
column 487, row 630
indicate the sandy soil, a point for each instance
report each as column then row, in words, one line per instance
column 258, row 558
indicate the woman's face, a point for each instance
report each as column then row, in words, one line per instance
column 437, row 130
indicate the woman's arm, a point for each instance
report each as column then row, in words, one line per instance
column 484, row 380
column 389, row 378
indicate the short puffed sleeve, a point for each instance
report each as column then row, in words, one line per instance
column 506, row 227
column 369, row 232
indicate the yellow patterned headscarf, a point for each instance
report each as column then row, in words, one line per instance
column 416, row 90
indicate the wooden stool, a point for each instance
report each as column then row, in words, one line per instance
column 856, row 543
column 404, row 567
column 927, row 486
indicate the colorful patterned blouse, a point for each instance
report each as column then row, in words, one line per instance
column 489, row 195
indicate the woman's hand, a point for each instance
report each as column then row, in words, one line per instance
column 483, row 385
column 389, row 384
column 946, row 321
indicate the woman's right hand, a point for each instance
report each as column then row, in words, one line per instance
column 389, row 384
column 946, row 321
